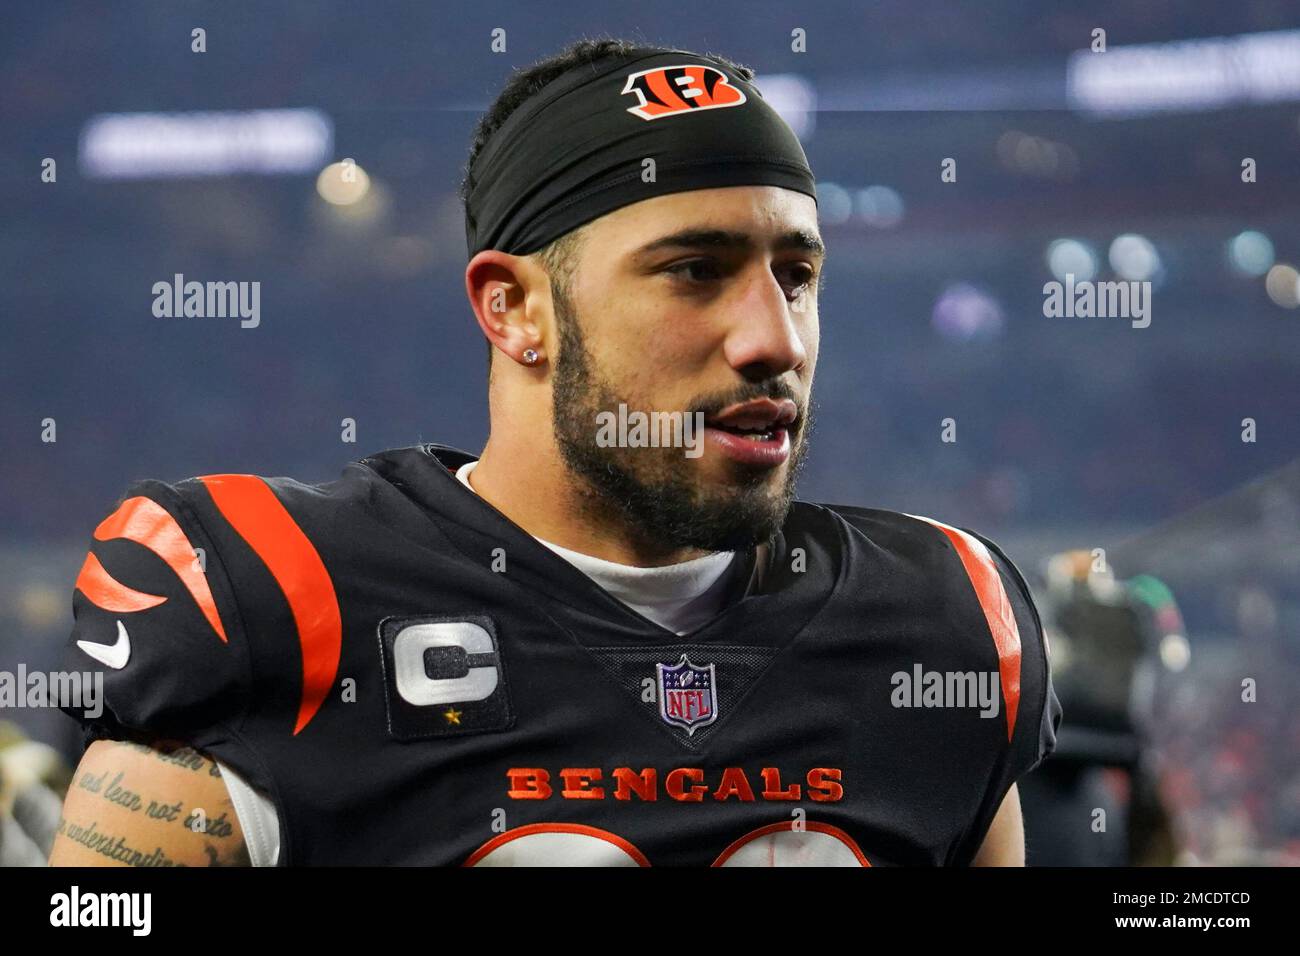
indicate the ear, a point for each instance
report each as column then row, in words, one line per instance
column 499, row 286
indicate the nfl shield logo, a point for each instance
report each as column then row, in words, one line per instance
column 688, row 695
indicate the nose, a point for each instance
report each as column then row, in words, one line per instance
column 764, row 341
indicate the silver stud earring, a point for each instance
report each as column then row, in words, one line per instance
column 531, row 356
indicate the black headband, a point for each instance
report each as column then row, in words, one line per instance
column 575, row 150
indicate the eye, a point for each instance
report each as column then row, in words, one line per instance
column 696, row 270
column 801, row 277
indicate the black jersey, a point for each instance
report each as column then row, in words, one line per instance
column 413, row 679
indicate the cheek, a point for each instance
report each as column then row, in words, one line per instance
column 655, row 367
column 810, row 335
column 812, row 346
column 659, row 338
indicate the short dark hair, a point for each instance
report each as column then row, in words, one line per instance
column 560, row 256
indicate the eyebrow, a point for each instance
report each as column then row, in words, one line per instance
column 799, row 239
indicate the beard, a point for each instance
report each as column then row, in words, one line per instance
column 652, row 490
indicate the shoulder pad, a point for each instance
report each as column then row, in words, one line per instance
column 156, row 616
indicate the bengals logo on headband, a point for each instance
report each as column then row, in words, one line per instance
column 673, row 90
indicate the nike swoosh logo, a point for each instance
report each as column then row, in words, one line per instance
column 113, row 655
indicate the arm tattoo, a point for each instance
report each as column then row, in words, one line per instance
column 113, row 847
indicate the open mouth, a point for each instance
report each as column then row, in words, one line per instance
column 767, row 433
column 759, row 419
column 755, row 432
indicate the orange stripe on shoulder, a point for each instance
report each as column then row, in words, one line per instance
column 1001, row 618
column 148, row 523
column 257, row 515
column 107, row 592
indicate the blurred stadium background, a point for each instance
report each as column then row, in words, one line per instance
column 1121, row 446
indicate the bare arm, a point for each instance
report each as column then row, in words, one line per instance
column 159, row 805
column 1004, row 844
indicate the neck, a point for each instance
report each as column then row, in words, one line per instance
column 528, row 482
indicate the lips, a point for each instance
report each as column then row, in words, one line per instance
column 761, row 415
column 755, row 433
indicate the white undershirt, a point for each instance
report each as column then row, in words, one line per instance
column 679, row 597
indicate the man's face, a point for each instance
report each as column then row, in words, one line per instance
column 703, row 301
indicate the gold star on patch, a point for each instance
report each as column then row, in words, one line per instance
column 452, row 715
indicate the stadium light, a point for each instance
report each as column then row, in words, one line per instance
column 144, row 145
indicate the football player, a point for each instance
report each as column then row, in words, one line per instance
column 614, row 637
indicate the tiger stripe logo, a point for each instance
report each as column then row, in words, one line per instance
column 674, row 90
